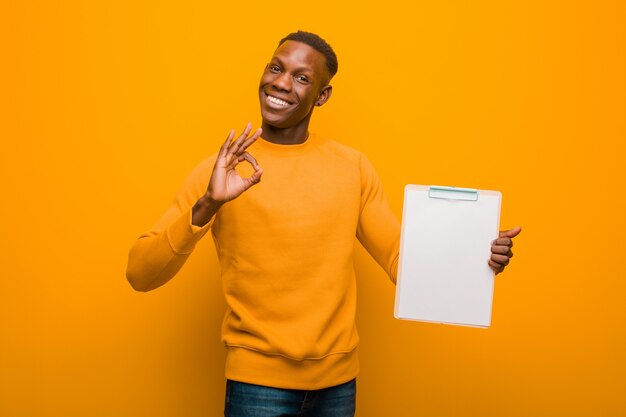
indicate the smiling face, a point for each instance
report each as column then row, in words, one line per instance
column 294, row 81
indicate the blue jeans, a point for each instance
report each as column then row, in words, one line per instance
column 248, row 400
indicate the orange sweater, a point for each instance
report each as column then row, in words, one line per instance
column 285, row 249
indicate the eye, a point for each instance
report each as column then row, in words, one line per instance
column 273, row 68
column 303, row 79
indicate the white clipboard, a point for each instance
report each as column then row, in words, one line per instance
column 443, row 274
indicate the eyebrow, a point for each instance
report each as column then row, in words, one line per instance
column 299, row 69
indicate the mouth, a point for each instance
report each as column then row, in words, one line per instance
column 275, row 102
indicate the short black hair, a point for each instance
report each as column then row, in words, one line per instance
column 317, row 43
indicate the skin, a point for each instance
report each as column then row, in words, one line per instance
column 297, row 76
column 501, row 252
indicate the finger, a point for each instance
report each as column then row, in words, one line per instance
column 496, row 267
column 241, row 139
column 502, row 241
column 224, row 146
column 243, row 157
column 246, row 131
column 251, row 139
column 236, row 144
column 500, row 259
column 240, row 146
column 255, row 178
column 511, row 233
column 246, row 156
column 502, row 250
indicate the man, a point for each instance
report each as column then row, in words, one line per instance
column 285, row 245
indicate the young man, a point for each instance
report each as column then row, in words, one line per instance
column 285, row 245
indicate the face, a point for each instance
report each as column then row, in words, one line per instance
column 293, row 83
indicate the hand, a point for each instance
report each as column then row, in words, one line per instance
column 226, row 184
column 501, row 249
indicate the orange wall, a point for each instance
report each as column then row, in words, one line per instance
column 106, row 106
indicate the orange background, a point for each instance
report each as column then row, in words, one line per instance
column 106, row 106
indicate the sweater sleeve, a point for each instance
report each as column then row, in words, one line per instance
column 378, row 228
column 159, row 253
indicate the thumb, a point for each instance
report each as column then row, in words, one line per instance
column 511, row 233
column 255, row 178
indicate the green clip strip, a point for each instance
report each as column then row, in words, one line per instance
column 453, row 193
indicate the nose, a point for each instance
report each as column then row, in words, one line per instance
column 282, row 82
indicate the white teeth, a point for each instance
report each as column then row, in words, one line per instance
column 278, row 101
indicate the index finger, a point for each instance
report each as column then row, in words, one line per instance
column 247, row 157
column 503, row 241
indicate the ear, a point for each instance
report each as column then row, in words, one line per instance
column 324, row 95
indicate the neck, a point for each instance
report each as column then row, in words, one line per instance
column 286, row 136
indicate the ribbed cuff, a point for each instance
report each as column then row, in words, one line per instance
column 183, row 236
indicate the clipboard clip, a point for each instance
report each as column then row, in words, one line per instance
column 453, row 193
